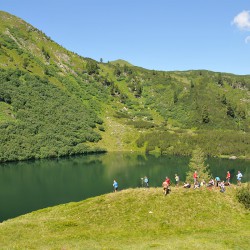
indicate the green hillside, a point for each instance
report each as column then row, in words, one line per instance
column 135, row 219
column 54, row 102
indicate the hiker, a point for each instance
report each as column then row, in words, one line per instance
column 222, row 187
column 195, row 176
column 228, row 177
column 146, row 181
column 217, row 181
column 142, row 181
column 239, row 176
column 187, row 185
column 210, row 183
column 196, row 185
column 167, row 180
column 115, row 185
column 203, row 183
column 177, row 179
column 166, row 188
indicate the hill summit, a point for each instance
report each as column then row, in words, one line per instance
column 121, row 62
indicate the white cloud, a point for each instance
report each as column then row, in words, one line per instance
column 242, row 20
column 247, row 39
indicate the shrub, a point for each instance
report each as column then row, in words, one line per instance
column 120, row 114
column 101, row 128
column 141, row 124
column 243, row 195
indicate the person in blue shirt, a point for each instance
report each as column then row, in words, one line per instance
column 115, row 185
column 146, row 181
column 217, row 181
column 239, row 176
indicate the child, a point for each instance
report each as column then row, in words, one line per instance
column 115, row 185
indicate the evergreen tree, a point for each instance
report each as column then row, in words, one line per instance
column 224, row 99
column 197, row 163
column 25, row 63
column 205, row 115
column 138, row 91
column 220, row 80
column 92, row 67
column 118, row 71
column 230, row 110
column 175, row 97
column 192, row 84
column 46, row 54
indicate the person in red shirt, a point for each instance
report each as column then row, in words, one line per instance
column 167, row 180
column 195, row 176
column 228, row 177
column 165, row 186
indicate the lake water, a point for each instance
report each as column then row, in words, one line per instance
column 31, row 185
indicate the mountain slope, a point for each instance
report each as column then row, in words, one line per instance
column 54, row 102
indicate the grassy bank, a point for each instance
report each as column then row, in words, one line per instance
column 135, row 219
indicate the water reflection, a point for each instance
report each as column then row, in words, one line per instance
column 30, row 185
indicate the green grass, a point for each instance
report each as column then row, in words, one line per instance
column 118, row 136
column 135, row 219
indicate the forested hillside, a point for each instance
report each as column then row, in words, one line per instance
column 54, row 102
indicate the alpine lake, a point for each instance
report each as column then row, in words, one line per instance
column 31, row 185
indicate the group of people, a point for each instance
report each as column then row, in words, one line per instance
column 212, row 182
column 144, row 183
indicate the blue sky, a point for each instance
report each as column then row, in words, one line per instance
column 154, row 34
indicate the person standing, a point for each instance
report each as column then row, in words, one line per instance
column 146, row 181
column 239, row 176
column 222, row 187
column 195, row 176
column 165, row 187
column 177, row 179
column 228, row 177
column 167, row 181
column 217, row 181
column 115, row 185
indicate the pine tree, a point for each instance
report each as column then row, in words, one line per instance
column 205, row 115
column 197, row 163
column 92, row 67
column 230, row 110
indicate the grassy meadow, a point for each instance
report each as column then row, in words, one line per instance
column 135, row 219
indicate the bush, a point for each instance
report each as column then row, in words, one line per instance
column 141, row 124
column 243, row 195
column 101, row 128
column 50, row 122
